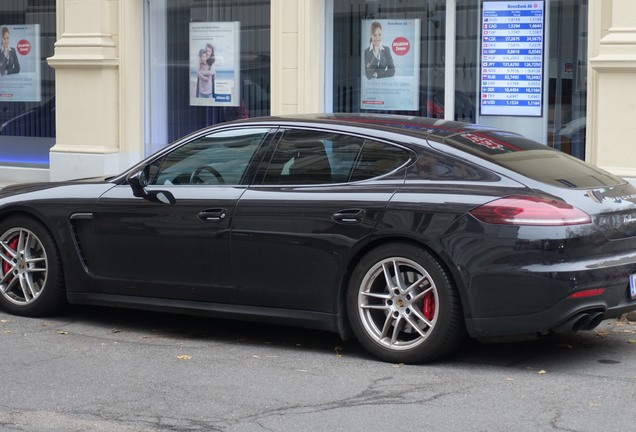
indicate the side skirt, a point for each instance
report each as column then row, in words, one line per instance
column 291, row 317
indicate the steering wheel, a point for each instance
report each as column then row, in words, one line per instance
column 195, row 179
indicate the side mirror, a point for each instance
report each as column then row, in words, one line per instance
column 138, row 182
column 161, row 196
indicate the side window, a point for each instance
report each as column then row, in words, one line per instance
column 218, row 158
column 377, row 159
column 311, row 157
column 430, row 166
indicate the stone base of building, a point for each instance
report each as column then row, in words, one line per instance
column 67, row 165
column 10, row 175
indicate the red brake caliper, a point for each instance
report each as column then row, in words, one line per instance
column 6, row 267
column 429, row 306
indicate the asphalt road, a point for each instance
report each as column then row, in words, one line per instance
column 117, row 370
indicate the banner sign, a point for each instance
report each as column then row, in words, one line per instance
column 390, row 69
column 20, row 79
column 512, row 58
column 215, row 63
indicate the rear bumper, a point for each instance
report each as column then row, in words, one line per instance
column 568, row 315
column 520, row 280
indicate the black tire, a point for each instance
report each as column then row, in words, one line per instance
column 31, row 278
column 415, row 318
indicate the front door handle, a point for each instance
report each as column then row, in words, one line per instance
column 215, row 215
column 349, row 216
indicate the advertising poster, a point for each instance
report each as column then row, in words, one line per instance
column 390, row 77
column 215, row 63
column 512, row 58
column 20, row 63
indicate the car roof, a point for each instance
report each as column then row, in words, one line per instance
column 420, row 126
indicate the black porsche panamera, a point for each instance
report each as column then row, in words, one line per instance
column 407, row 233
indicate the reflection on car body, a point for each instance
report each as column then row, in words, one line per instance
column 408, row 233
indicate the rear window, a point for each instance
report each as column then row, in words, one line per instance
column 532, row 159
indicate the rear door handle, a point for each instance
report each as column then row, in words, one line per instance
column 215, row 215
column 349, row 216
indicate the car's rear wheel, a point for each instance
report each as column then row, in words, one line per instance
column 403, row 305
column 30, row 270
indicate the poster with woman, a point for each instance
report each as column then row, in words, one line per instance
column 20, row 63
column 215, row 63
column 390, row 64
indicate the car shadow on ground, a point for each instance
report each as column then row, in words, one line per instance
column 147, row 325
column 610, row 343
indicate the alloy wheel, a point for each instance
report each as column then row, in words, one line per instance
column 398, row 303
column 23, row 269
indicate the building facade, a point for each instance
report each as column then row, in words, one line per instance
column 103, row 83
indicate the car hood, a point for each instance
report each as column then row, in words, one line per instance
column 80, row 188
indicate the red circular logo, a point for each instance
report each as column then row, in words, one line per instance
column 401, row 46
column 23, row 47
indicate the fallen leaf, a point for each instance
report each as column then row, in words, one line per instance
column 510, row 379
column 4, row 321
column 7, row 331
column 542, row 372
column 184, row 357
column 62, row 332
column 399, row 365
column 631, row 341
column 117, row 330
column 622, row 320
column 602, row 333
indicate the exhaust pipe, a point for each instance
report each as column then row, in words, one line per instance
column 595, row 320
column 581, row 321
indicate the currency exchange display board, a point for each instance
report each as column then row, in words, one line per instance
column 512, row 47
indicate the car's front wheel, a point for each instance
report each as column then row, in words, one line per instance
column 30, row 269
column 403, row 305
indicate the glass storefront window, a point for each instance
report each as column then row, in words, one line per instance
column 564, row 69
column 27, row 83
column 561, row 123
column 208, row 61
column 417, row 90
column 568, row 76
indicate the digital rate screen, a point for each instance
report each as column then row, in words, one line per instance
column 512, row 37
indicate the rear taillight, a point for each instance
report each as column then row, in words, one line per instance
column 527, row 210
column 588, row 293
